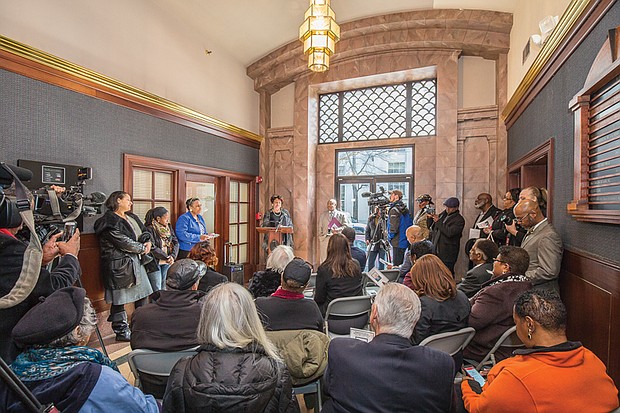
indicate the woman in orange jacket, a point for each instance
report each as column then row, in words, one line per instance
column 551, row 374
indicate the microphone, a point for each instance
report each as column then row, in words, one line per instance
column 6, row 178
column 366, row 194
column 96, row 197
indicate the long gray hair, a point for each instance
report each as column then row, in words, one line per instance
column 229, row 320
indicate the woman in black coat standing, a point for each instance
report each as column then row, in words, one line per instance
column 122, row 255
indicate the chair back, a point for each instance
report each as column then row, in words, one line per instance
column 391, row 275
column 309, row 290
column 344, row 313
column 451, row 342
column 509, row 339
column 152, row 368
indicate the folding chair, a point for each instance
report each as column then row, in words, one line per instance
column 391, row 275
column 509, row 339
column 152, row 368
column 347, row 312
column 451, row 342
column 312, row 387
column 309, row 290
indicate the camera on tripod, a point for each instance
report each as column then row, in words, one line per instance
column 376, row 199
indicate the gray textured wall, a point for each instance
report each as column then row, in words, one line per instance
column 42, row 122
column 549, row 116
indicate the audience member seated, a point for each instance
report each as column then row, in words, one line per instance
column 58, row 369
column 30, row 287
column 339, row 275
column 357, row 254
column 264, row 283
column 444, row 308
column 481, row 254
column 550, row 375
column 170, row 321
column 287, row 309
column 491, row 308
column 237, row 369
column 414, row 234
column 203, row 251
column 388, row 374
column 416, row 251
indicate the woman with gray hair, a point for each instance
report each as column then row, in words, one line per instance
column 237, row 368
column 57, row 366
column 264, row 283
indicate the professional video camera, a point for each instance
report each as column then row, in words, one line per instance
column 53, row 206
column 378, row 199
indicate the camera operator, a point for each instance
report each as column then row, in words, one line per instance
column 504, row 230
column 399, row 219
column 19, row 297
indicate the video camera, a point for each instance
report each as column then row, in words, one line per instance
column 52, row 208
column 376, row 199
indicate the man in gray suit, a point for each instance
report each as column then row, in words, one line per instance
column 325, row 231
column 542, row 243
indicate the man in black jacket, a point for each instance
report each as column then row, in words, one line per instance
column 12, row 253
column 388, row 374
column 446, row 230
column 170, row 322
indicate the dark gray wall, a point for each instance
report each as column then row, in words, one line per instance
column 47, row 123
column 549, row 116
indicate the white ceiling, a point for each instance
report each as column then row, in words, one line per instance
column 249, row 29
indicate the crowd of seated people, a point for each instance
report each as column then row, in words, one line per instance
column 251, row 340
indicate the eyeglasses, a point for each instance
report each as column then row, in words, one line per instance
column 520, row 219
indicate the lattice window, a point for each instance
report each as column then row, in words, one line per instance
column 383, row 112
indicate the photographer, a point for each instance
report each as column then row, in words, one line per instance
column 19, row 297
column 504, row 230
column 422, row 218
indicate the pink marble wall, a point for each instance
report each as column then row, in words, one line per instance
column 468, row 153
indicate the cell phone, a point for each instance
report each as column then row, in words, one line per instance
column 68, row 231
column 474, row 374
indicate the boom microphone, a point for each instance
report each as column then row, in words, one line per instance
column 366, row 194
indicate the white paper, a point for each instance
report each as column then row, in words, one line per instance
column 474, row 233
column 377, row 277
column 486, row 223
column 362, row 335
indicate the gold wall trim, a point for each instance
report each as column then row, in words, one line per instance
column 54, row 62
column 564, row 26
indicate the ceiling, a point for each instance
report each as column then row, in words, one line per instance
column 247, row 30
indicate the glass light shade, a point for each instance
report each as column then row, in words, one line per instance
column 318, row 61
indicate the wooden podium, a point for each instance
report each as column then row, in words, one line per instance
column 274, row 235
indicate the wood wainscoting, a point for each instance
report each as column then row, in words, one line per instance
column 590, row 288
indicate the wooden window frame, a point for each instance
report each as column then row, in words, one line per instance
column 606, row 67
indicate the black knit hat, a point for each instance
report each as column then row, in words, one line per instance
column 297, row 270
column 54, row 317
column 185, row 273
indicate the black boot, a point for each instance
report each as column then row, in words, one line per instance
column 120, row 326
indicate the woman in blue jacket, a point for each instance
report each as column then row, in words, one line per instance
column 191, row 227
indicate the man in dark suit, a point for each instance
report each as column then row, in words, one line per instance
column 388, row 374
column 488, row 212
column 447, row 229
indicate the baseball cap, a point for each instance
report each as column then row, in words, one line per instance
column 297, row 270
column 452, row 202
column 424, row 197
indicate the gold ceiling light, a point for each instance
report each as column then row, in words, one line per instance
column 319, row 33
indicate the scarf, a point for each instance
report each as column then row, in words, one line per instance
column 6, row 232
column 287, row 295
column 44, row 363
column 165, row 234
